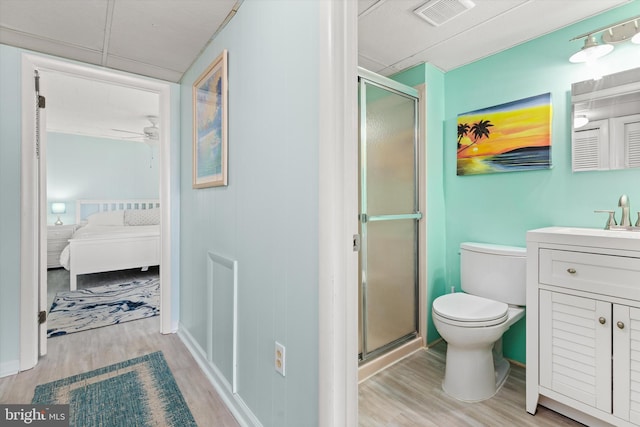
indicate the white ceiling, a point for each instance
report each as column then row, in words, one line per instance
column 86, row 107
column 392, row 38
column 162, row 38
column 156, row 38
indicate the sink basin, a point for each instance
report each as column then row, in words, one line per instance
column 596, row 232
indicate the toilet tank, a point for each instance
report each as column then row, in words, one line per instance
column 494, row 271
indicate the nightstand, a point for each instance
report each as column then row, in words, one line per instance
column 57, row 238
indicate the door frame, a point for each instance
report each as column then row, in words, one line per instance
column 30, row 224
column 338, row 214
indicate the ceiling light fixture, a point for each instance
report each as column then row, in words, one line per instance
column 579, row 121
column 612, row 34
column 591, row 51
column 636, row 37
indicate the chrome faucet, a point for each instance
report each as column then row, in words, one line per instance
column 625, row 221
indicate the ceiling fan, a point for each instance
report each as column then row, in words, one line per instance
column 149, row 133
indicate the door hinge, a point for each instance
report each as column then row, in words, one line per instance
column 356, row 243
column 42, row 317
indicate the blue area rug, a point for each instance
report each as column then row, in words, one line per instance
column 75, row 311
column 137, row 392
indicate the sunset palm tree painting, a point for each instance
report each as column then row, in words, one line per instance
column 515, row 136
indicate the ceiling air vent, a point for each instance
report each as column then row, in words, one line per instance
column 437, row 12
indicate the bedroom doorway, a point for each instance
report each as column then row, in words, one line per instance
column 108, row 135
column 35, row 211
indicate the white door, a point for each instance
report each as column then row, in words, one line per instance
column 575, row 347
column 626, row 363
column 41, row 151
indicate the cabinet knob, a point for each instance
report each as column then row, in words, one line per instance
column 602, row 320
column 571, row 270
column 620, row 325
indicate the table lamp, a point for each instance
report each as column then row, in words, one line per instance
column 58, row 208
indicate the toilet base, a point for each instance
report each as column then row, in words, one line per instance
column 477, row 381
column 469, row 382
column 501, row 365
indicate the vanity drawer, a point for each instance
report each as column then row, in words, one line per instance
column 614, row 275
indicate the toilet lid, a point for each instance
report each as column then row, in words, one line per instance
column 462, row 307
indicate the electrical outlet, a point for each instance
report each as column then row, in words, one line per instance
column 279, row 358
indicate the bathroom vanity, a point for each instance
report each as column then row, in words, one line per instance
column 583, row 324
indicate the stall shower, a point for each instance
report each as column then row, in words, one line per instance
column 388, row 215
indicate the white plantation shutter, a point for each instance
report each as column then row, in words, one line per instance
column 632, row 144
column 590, row 147
column 586, row 148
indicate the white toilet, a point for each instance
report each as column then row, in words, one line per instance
column 472, row 323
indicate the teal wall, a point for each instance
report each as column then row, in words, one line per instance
column 500, row 208
column 110, row 169
column 9, row 208
column 267, row 217
column 433, row 188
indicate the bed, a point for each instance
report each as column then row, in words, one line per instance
column 113, row 235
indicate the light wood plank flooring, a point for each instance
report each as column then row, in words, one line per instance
column 84, row 351
column 409, row 394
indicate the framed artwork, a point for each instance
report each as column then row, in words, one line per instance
column 510, row 137
column 210, row 125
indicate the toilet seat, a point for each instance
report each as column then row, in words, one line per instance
column 470, row 310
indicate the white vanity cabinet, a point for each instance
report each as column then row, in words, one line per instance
column 583, row 324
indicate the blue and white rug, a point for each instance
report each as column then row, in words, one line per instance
column 136, row 392
column 75, row 311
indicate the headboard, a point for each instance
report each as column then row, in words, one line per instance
column 87, row 207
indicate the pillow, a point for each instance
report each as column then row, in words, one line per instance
column 142, row 216
column 106, row 218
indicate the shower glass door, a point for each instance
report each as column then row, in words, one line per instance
column 388, row 217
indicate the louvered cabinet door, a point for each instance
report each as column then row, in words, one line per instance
column 632, row 143
column 590, row 148
column 575, row 348
column 626, row 363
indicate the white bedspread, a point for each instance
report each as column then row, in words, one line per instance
column 98, row 232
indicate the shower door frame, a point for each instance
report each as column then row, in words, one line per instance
column 366, row 77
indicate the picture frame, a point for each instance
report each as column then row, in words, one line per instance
column 210, row 120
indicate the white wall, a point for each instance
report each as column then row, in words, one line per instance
column 267, row 217
column 84, row 167
column 9, row 208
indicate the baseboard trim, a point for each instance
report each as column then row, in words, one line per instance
column 371, row 368
column 234, row 402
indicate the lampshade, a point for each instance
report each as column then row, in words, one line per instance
column 579, row 121
column 591, row 51
column 58, row 208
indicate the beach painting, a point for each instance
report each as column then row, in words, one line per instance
column 210, row 125
column 510, row 137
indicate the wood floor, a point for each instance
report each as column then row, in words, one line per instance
column 84, row 351
column 409, row 394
